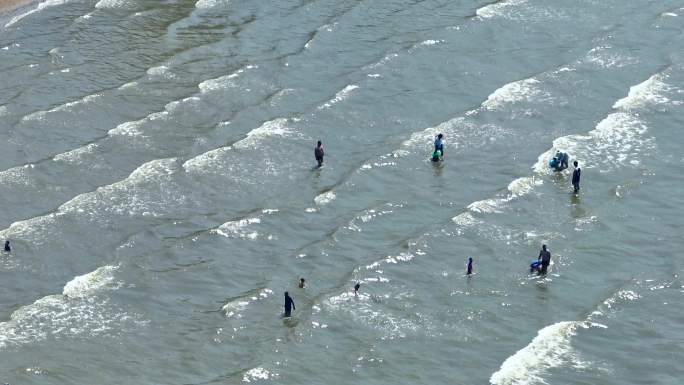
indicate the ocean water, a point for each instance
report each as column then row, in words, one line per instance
column 157, row 183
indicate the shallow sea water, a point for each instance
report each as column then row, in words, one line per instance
column 158, row 186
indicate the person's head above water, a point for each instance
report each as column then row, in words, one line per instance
column 544, row 247
column 287, row 294
column 470, row 259
column 575, row 163
column 440, row 136
column 301, row 280
column 319, row 143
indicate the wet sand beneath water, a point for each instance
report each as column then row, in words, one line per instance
column 8, row 5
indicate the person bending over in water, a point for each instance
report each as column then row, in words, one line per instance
column 7, row 247
column 470, row 266
column 436, row 156
column 318, row 152
column 289, row 305
column 301, row 283
column 356, row 288
column 544, row 259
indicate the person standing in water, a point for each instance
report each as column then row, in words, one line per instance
column 318, row 153
column 356, row 288
column 470, row 266
column 544, row 259
column 301, row 283
column 289, row 305
column 7, row 247
column 576, row 175
column 439, row 145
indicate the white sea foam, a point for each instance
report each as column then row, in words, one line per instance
column 605, row 57
column 209, row 4
column 498, row 9
column 76, row 312
column 617, row 140
column 114, row 4
column 392, row 259
column 128, row 85
column 366, row 311
column 648, row 92
column 238, row 229
column 134, row 128
column 161, row 71
column 386, row 59
column 431, row 42
column 40, row 115
column 3, row 111
column 465, row 219
column 258, row 373
column 223, row 82
column 87, row 284
column 234, row 308
column 113, row 199
column 74, row 155
column 512, row 93
column 340, row 96
column 40, row 7
column 325, row 198
column 523, row 186
column 18, row 176
column 202, row 162
column 549, row 349
column 490, row 205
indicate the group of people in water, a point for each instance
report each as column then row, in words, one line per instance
column 289, row 302
column 559, row 162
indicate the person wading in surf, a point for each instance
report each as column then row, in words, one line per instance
column 544, row 259
column 289, row 305
column 318, row 153
column 576, row 177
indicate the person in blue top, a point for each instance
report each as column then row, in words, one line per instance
column 439, row 144
column 470, row 266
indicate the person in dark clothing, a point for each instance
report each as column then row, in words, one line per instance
column 576, row 177
column 470, row 266
column 289, row 305
column 439, row 145
column 356, row 288
column 544, row 259
column 302, row 284
column 7, row 247
column 318, row 152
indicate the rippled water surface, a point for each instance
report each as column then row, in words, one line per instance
column 157, row 184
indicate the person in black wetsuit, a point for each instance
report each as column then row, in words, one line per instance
column 544, row 259
column 576, row 177
column 318, row 153
column 7, row 247
column 289, row 305
column 356, row 288
column 302, row 283
column 470, row 266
